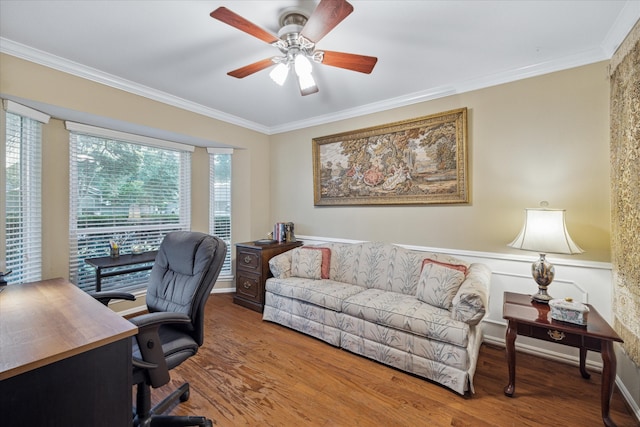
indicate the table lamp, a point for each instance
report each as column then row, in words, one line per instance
column 544, row 231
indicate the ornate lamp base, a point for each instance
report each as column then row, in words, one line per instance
column 542, row 296
column 543, row 273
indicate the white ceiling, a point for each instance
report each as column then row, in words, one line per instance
column 174, row 52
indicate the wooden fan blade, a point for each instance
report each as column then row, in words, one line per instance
column 247, row 70
column 349, row 61
column 231, row 18
column 327, row 15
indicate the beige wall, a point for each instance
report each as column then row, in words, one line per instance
column 543, row 138
column 27, row 80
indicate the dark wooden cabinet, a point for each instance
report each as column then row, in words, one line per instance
column 252, row 271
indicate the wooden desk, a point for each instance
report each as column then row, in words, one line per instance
column 107, row 262
column 65, row 359
column 532, row 319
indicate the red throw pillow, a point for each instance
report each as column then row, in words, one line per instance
column 459, row 267
column 326, row 260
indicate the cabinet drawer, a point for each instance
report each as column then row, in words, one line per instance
column 248, row 260
column 551, row 335
column 248, row 285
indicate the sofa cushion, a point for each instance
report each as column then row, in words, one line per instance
column 406, row 313
column 376, row 265
column 324, row 293
column 363, row 264
column 306, row 263
column 438, row 285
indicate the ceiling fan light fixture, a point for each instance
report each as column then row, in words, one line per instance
column 306, row 82
column 279, row 73
column 302, row 65
column 299, row 32
column 303, row 69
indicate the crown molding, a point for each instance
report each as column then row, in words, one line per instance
column 508, row 76
column 57, row 63
column 627, row 18
column 629, row 15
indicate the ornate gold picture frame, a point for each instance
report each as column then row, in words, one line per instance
column 417, row 161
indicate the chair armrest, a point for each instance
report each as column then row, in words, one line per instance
column 150, row 345
column 139, row 363
column 159, row 318
column 105, row 296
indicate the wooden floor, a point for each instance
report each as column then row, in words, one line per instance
column 255, row 373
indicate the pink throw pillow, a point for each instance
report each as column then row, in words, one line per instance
column 450, row 263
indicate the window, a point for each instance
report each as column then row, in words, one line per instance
column 125, row 188
column 220, row 201
column 21, row 207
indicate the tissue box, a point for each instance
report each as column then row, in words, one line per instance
column 569, row 311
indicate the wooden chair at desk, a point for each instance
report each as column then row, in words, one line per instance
column 186, row 268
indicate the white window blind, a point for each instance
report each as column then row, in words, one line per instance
column 220, row 201
column 22, row 207
column 127, row 191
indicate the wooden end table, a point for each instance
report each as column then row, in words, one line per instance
column 533, row 319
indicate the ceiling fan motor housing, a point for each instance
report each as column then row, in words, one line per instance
column 293, row 15
column 291, row 43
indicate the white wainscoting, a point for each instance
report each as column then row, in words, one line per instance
column 584, row 281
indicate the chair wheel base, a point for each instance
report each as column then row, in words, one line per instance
column 177, row 421
column 154, row 417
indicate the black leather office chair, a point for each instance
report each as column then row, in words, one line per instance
column 185, row 270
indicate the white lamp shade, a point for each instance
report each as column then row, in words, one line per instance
column 545, row 231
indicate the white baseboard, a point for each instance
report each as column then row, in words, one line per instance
column 222, row 290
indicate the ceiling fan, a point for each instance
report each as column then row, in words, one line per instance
column 297, row 40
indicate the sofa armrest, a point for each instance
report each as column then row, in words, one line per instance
column 280, row 265
column 471, row 303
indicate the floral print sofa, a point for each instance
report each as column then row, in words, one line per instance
column 416, row 311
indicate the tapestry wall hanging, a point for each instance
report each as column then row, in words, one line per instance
column 417, row 161
column 625, row 191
